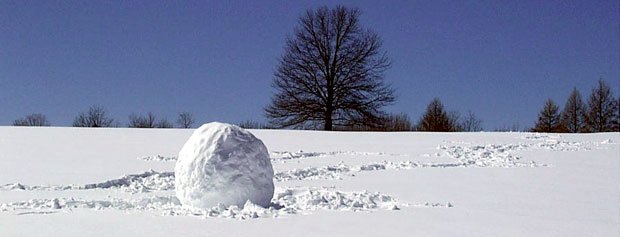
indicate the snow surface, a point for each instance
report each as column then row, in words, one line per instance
column 223, row 164
column 120, row 182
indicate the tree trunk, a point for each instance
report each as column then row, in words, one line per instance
column 328, row 120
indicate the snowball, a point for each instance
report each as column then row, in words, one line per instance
column 223, row 164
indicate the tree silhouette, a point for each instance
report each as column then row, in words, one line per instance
column 37, row 120
column 616, row 123
column 185, row 120
column 163, row 123
column 331, row 74
column 95, row 117
column 397, row 122
column 436, row 119
column 548, row 118
column 139, row 121
column 601, row 109
column 471, row 123
column 573, row 115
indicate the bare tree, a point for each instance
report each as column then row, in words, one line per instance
column 185, row 120
column 548, row 118
column 331, row 73
column 601, row 109
column 139, row 121
column 397, row 122
column 616, row 123
column 95, row 117
column 573, row 116
column 436, row 119
column 163, row 123
column 471, row 123
column 249, row 124
column 454, row 120
column 32, row 120
column 515, row 127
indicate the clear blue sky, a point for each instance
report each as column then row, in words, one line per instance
column 215, row 59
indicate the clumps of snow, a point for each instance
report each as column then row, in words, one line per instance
column 389, row 165
column 134, row 183
column 286, row 201
column 290, row 201
column 288, row 155
column 14, row 186
column 223, row 163
column 336, row 172
column 538, row 136
column 487, row 156
column 158, row 158
column 436, row 204
column 24, row 187
column 557, row 145
column 248, row 211
column 313, row 173
column 301, row 200
column 608, row 141
column 139, row 183
column 145, row 203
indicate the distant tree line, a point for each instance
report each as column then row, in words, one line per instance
column 601, row 113
column 97, row 117
column 435, row 119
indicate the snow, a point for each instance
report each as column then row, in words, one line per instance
column 97, row 182
column 223, row 164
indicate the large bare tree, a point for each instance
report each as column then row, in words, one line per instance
column 331, row 74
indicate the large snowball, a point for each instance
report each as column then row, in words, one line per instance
column 223, row 163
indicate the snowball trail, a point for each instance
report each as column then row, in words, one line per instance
column 477, row 156
column 286, row 201
column 134, row 183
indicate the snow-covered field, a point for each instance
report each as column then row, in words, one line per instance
column 120, row 182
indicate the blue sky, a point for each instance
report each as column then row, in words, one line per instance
column 215, row 59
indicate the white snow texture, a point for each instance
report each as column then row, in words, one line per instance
column 223, row 164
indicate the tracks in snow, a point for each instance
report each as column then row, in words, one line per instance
column 286, row 201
